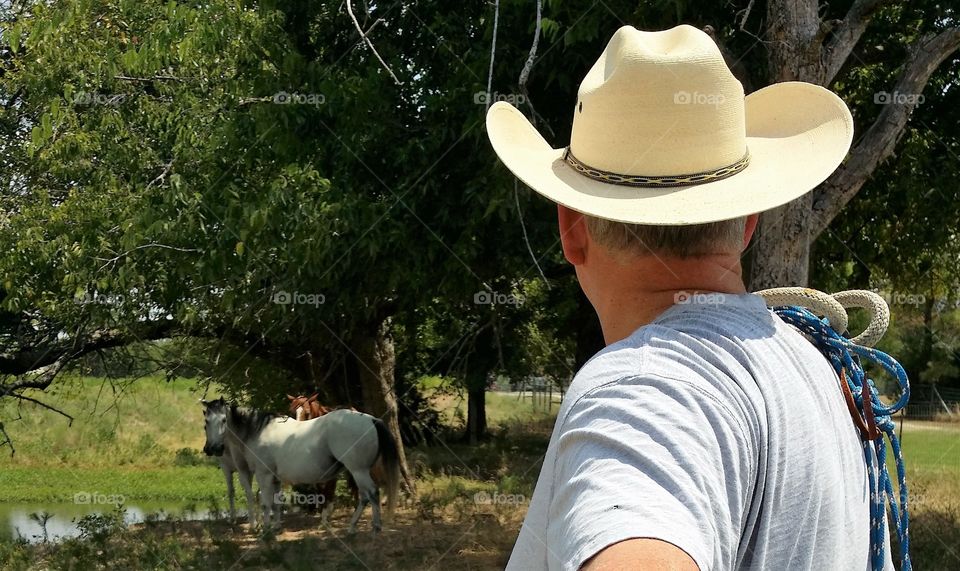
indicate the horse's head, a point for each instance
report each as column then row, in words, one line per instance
column 305, row 408
column 297, row 405
column 215, row 425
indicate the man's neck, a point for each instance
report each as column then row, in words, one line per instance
column 646, row 287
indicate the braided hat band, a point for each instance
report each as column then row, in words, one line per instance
column 655, row 181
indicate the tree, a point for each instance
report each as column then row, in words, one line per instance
column 822, row 44
column 253, row 176
column 166, row 181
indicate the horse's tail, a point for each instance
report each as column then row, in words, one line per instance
column 391, row 463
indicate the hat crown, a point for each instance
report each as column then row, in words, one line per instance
column 659, row 104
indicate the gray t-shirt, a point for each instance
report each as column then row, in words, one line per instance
column 717, row 428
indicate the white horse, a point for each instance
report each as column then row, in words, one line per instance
column 281, row 449
column 230, row 463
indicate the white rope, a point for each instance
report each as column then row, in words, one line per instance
column 821, row 304
column 834, row 307
column 875, row 305
column 526, row 240
column 493, row 48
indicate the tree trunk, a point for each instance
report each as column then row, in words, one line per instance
column 377, row 362
column 926, row 350
column 483, row 359
column 476, row 408
column 780, row 251
column 781, row 246
column 801, row 47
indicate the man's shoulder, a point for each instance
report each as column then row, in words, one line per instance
column 646, row 354
column 709, row 349
column 686, row 340
column 652, row 350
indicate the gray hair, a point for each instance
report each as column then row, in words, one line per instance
column 675, row 241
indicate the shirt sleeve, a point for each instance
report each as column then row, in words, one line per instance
column 654, row 458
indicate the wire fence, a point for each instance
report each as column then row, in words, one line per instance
column 933, row 403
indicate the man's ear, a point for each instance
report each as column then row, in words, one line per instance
column 749, row 229
column 573, row 234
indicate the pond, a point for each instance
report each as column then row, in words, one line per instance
column 15, row 520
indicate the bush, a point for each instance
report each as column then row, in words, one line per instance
column 188, row 457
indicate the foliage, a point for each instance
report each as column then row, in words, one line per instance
column 201, row 165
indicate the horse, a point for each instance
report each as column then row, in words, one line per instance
column 281, row 449
column 231, row 463
column 305, row 408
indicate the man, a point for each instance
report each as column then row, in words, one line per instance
column 708, row 434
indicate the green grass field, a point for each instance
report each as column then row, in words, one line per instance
column 126, row 439
column 933, row 450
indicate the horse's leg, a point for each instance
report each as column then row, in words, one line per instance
column 356, row 514
column 352, row 484
column 228, row 474
column 247, row 485
column 329, row 491
column 266, row 498
column 278, row 502
column 368, row 493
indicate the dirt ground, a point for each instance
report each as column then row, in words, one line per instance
column 454, row 537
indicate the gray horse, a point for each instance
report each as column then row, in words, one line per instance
column 279, row 449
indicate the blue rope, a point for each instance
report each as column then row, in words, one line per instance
column 845, row 357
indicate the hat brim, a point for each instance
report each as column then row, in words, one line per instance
column 797, row 135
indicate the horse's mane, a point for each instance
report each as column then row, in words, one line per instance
column 248, row 422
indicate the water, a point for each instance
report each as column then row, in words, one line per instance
column 15, row 518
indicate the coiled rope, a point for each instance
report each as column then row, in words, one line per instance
column 800, row 307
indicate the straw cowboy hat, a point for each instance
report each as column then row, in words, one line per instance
column 663, row 135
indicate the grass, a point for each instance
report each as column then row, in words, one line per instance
column 52, row 485
column 140, row 440
column 503, row 409
column 116, row 423
column 933, row 449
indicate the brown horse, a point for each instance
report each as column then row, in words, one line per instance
column 305, row 408
column 308, row 407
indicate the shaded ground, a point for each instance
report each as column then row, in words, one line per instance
column 471, row 539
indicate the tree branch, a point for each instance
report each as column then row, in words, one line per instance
column 363, row 36
column 149, row 79
column 880, row 140
column 40, row 403
column 846, row 34
column 7, row 441
column 33, row 358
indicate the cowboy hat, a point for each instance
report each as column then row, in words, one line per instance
column 663, row 135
